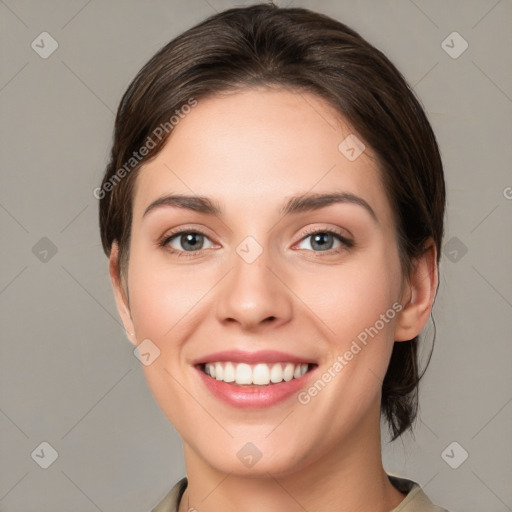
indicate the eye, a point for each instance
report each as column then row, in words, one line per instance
column 186, row 241
column 323, row 240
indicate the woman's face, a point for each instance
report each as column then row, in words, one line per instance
column 252, row 279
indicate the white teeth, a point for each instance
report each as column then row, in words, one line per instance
column 276, row 373
column 219, row 371
column 229, row 373
column 260, row 374
column 288, row 372
column 243, row 374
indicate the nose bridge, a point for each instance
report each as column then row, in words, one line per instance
column 251, row 293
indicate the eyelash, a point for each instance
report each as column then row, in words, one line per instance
column 346, row 243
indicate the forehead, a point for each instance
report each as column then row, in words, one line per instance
column 250, row 149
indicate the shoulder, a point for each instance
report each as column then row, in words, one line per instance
column 416, row 500
column 171, row 501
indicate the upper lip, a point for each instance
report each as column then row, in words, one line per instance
column 263, row 356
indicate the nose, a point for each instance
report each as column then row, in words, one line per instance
column 254, row 294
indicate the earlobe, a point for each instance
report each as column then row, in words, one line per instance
column 122, row 303
column 420, row 291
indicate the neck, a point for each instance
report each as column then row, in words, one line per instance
column 349, row 477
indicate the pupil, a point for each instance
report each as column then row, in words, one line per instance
column 191, row 240
column 317, row 240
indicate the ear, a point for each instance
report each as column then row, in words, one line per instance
column 123, row 305
column 418, row 295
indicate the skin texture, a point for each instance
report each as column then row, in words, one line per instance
column 250, row 151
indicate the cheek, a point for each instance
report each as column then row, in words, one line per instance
column 164, row 303
column 353, row 307
column 164, row 298
column 351, row 297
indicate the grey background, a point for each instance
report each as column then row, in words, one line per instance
column 68, row 374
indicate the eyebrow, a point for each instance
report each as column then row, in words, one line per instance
column 295, row 204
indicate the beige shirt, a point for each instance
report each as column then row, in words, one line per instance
column 415, row 501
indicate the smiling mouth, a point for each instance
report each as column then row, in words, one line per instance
column 255, row 375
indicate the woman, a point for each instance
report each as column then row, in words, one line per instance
column 273, row 214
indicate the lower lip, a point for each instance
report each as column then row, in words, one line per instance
column 254, row 397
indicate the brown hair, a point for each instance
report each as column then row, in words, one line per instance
column 300, row 50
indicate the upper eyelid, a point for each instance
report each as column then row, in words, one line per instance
column 168, row 236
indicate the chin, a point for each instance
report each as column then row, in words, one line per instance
column 252, row 460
